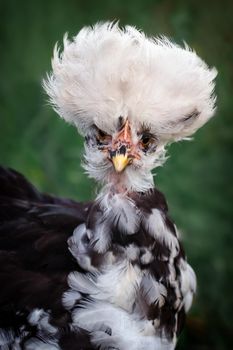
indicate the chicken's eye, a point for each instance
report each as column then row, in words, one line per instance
column 102, row 138
column 101, row 133
column 145, row 140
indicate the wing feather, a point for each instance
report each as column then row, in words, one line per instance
column 34, row 256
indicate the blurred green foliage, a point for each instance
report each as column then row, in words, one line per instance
column 197, row 179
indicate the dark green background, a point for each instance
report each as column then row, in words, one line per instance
column 197, row 178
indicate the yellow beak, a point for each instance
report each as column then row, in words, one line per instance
column 120, row 162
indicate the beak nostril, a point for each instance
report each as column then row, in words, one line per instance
column 122, row 150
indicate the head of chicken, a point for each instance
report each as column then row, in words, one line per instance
column 130, row 96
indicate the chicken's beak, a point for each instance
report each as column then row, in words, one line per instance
column 121, row 147
column 120, row 161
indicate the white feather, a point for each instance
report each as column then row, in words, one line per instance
column 9, row 340
column 35, row 316
column 188, row 284
column 41, row 319
column 106, row 72
column 155, row 225
column 83, row 283
column 153, row 291
column 96, row 164
column 146, row 257
column 6, row 337
column 127, row 331
column 117, row 284
column 69, row 298
column 102, row 236
column 121, row 210
column 132, row 252
column 79, row 249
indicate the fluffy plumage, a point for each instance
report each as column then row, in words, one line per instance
column 105, row 72
column 132, row 291
column 112, row 273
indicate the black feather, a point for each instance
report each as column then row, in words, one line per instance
column 34, row 258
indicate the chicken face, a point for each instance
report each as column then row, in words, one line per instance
column 130, row 153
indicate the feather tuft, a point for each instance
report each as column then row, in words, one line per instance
column 105, row 72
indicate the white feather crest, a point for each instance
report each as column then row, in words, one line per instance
column 106, row 72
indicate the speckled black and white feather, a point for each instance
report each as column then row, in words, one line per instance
column 70, row 283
